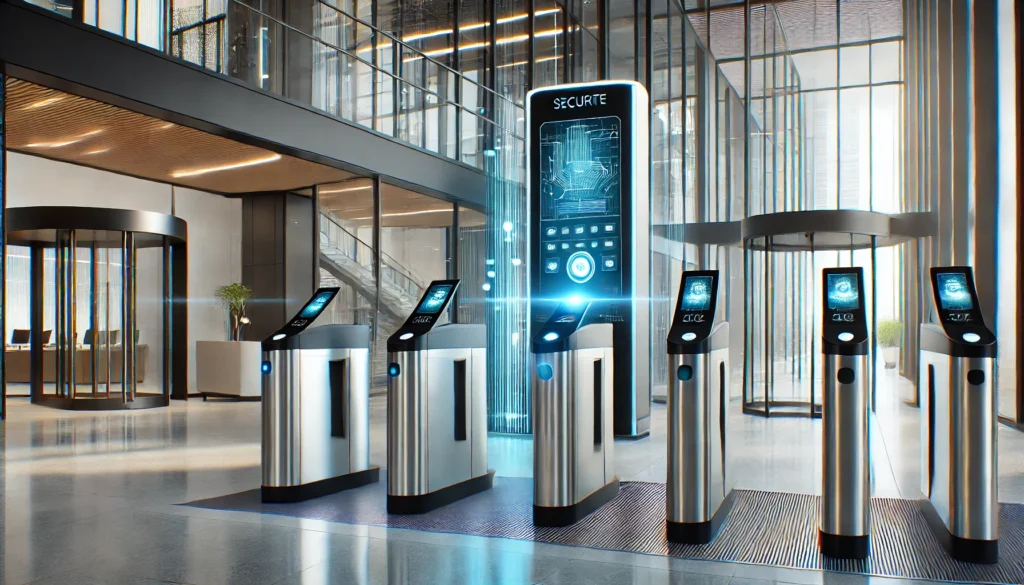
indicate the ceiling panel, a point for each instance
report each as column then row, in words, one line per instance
column 70, row 128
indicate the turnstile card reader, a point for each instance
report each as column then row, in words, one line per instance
column 959, row 479
column 316, row 416
column 573, row 450
column 846, row 477
column 437, row 408
column 697, row 488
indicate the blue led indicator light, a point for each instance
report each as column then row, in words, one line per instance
column 684, row 373
column 265, row 367
column 545, row 372
column 394, row 370
column 551, row 336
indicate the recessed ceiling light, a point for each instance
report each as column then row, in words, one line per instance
column 227, row 167
column 346, row 189
column 166, row 126
column 95, row 151
column 64, row 142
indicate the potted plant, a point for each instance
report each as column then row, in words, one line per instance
column 890, row 335
column 233, row 296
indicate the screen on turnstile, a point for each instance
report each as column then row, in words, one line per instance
column 843, row 291
column 695, row 308
column 435, row 299
column 956, row 299
column 696, row 294
column 844, row 315
column 307, row 314
column 954, row 292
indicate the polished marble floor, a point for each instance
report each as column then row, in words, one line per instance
column 89, row 498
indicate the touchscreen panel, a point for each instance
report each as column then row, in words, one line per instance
column 695, row 309
column 435, row 299
column 696, row 294
column 844, row 315
column 956, row 299
column 309, row 312
column 843, row 291
column 317, row 304
column 580, row 217
column 954, row 291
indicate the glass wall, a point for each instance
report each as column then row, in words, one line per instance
column 346, row 250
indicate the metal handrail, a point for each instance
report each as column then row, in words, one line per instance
column 421, row 54
column 328, row 223
column 399, row 78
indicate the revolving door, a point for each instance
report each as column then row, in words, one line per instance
column 101, row 324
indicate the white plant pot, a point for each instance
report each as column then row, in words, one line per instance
column 891, row 355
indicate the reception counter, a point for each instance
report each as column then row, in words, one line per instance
column 18, row 364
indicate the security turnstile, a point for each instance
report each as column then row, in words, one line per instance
column 959, row 479
column 437, row 408
column 573, row 449
column 846, row 476
column 697, row 489
column 316, row 416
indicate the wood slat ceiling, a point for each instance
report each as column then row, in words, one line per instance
column 70, row 128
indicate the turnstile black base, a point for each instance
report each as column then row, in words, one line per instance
column 700, row 532
column 841, row 546
column 968, row 550
column 297, row 493
column 426, row 502
column 566, row 515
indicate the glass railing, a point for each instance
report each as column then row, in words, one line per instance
column 334, row 63
column 335, row 238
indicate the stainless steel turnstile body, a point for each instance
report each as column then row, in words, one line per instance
column 959, row 475
column 437, row 419
column 846, row 472
column 697, row 485
column 316, row 421
column 573, row 434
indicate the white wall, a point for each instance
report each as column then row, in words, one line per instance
column 214, row 239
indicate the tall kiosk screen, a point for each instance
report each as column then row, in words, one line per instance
column 696, row 295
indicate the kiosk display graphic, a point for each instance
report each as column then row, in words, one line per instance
column 317, row 304
column 587, row 153
column 435, row 299
column 843, row 292
column 954, row 293
column 696, row 293
column 580, row 183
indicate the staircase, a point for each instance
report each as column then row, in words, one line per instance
column 345, row 259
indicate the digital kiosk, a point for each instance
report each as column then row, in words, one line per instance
column 959, row 479
column 316, row 414
column 846, row 483
column 573, row 451
column 437, row 408
column 697, row 490
column 587, row 151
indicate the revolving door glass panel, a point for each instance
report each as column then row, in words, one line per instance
column 89, row 318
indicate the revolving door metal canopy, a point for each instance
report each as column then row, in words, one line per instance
column 97, row 367
column 779, row 347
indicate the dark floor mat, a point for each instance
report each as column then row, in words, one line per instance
column 765, row 528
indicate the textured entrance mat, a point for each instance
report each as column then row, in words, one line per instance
column 764, row 528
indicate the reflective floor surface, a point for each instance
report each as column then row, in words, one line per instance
column 89, row 498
